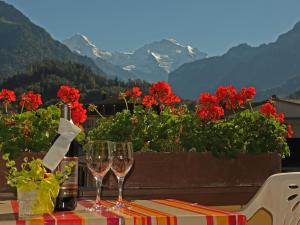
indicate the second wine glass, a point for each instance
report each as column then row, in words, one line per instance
column 122, row 161
column 99, row 160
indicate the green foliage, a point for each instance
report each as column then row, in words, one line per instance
column 47, row 76
column 261, row 133
column 29, row 131
column 33, row 176
column 171, row 130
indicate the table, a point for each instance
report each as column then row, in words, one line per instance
column 140, row 212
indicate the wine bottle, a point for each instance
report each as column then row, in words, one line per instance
column 67, row 197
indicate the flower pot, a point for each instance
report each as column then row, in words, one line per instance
column 30, row 204
column 193, row 176
column 26, row 200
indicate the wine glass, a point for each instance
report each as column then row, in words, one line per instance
column 122, row 161
column 99, row 160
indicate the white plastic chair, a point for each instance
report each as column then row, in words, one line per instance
column 280, row 196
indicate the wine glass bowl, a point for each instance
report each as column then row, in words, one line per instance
column 99, row 161
column 122, row 161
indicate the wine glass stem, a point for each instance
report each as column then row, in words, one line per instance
column 120, row 185
column 98, row 185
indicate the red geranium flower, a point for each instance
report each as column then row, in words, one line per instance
column 208, row 99
column 280, row 117
column 30, row 100
column 170, row 99
column 160, row 88
column 7, row 95
column 268, row 109
column 149, row 101
column 127, row 93
column 228, row 96
column 212, row 113
column 68, row 94
column 290, row 131
column 78, row 113
column 248, row 93
column 209, row 109
column 136, row 91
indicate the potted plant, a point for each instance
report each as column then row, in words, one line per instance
column 28, row 130
column 37, row 189
column 178, row 148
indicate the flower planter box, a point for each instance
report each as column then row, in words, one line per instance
column 196, row 177
column 191, row 169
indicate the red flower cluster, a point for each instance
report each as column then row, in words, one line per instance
column 160, row 93
column 149, row 101
column 7, row 95
column 209, row 108
column 232, row 99
column 159, row 89
column 68, row 94
column 269, row 110
column 30, row 101
column 134, row 92
column 290, row 131
column 247, row 94
column 71, row 96
column 78, row 113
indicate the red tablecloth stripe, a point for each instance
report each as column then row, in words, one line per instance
column 171, row 219
column 209, row 218
column 145, row 219
column 112, row 218
column 67, row 218
column 15, row 208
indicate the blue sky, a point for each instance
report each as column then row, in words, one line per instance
column 210, row 25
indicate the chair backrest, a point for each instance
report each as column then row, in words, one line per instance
column 280, row 196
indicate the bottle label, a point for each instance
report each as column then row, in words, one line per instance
column 68, row 131
column 67, row 193
column 69, row 187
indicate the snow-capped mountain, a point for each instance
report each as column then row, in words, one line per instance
column 151, row 62
column 83, row 46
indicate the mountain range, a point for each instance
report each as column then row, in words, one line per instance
column 22, row 43
column 272, row 68
column 152, row 62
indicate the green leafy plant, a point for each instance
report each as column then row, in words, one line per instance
column 223, row 124
column 261, row 133
column 33, row 176
column 28, row 131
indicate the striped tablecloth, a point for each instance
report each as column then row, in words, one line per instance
column 140, row 212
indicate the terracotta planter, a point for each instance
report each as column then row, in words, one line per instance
column 191, row 169
column 196, row 177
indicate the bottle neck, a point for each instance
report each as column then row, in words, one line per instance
column 65, row 111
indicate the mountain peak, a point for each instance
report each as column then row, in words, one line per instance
column 152, row 62
column 81, row 38
column 84, row 46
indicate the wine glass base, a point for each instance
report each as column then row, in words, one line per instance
column 96, row 208
column 120, row 206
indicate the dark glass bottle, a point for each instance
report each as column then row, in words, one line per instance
column 67, row 197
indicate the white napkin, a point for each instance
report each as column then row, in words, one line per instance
column 68, row 131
